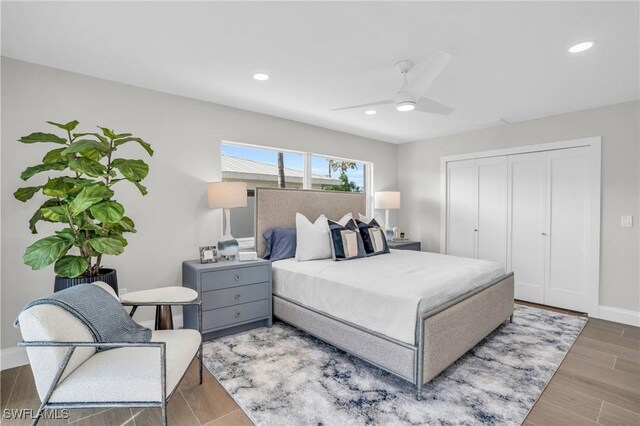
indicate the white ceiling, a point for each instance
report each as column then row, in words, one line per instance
column 509, row 59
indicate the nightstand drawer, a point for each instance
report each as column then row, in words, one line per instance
column 214, row 280
column 235, row 314
column 235, row 295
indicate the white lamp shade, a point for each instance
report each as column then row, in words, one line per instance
column 387, row 200
column 227, row 195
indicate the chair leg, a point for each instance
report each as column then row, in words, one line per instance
column 200, row 363
column 36, row 419
column 511, row 318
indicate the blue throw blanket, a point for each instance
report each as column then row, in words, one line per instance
column 103, row 315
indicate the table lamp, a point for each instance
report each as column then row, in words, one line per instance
column 387, row 200
column 226, row 196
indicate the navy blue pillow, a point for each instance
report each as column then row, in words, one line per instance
column 373, row 238
column 281, row 243
column 346, row 242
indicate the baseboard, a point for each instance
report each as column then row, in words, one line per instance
column 17, row 356
column 13, row 357
column 623, row 316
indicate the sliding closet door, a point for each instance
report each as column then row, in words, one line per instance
column 491, row 176
column 461, row 208
column 568, row 231
column 527, row 224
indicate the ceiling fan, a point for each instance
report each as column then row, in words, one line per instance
column 411, row 95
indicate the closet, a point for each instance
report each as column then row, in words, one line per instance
column 535, row 211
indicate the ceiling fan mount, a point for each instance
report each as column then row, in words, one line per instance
column 404, row 66
column 411, row 94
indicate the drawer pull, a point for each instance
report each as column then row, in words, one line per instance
column 237, row 277
column 237, row 296
column 237, row 314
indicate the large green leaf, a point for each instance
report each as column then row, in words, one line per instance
column 24, row 194
column 133, row 170
column 97, row 135
column 54, row 156
column 89, row 196
column 37, row 216
column 87, row 166
column 82, row 182
column 88, row 225
column 57, row 187
column 141, row 188
column 127, row 225
column 142, row 143
column 42, row 137
column 86, row 145
column 33, row 170
column 107, row 211
column 68, row 127
column 71, row 266
column 108, row 132
column 54, row 214
column 106, row 245
column 44, row 252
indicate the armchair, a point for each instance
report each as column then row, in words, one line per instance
column 69, row 373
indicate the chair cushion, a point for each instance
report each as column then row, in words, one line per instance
column 52, row 323
column 130, row 374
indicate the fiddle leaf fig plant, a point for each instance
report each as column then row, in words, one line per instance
column 79, row 190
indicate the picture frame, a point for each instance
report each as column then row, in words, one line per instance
column 208, row 254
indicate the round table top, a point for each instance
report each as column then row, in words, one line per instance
column 161, row 295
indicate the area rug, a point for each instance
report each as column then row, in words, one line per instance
column 283, row 376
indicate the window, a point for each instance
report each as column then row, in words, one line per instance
column 343, row 175
column 274, row 168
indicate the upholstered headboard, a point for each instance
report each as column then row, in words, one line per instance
column 276, row 208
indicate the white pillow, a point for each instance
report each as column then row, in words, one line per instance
column 366, row 219
column 346, row 218
column 313, row 241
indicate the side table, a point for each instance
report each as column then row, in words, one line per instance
column 156, row 297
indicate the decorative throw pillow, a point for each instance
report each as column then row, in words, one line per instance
column 312, row 239
column 346, row 242
column 281, row 243
column 373, row 238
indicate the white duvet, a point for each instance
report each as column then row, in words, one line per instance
column 382, row 293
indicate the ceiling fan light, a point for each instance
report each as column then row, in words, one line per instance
column 371, row 112
column 405, row 106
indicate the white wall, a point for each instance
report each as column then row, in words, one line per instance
column 619, row 126
column 173, row 220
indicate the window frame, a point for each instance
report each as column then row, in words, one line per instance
column 248, row 242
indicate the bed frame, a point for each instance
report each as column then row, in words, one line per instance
column 443, row 334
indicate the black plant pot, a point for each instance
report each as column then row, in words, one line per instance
column 107, row 275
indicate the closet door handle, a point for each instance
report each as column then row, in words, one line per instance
column 543, row 233
column 475, row 230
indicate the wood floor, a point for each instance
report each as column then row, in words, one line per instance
column 597, row 383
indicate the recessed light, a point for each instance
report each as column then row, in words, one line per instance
column 581, row 47
column 261, row 76
column 371, row 112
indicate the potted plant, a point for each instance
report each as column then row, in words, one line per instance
column 80, row 197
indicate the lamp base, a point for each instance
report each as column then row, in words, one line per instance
column 228, row 247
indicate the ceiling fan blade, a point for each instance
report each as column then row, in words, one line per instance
column 385, row 102
column 429, row 105
column 428, row 74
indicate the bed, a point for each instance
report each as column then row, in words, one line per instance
column 410, row 313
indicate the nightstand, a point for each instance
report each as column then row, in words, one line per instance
column 236, row 296
column 405, row 245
